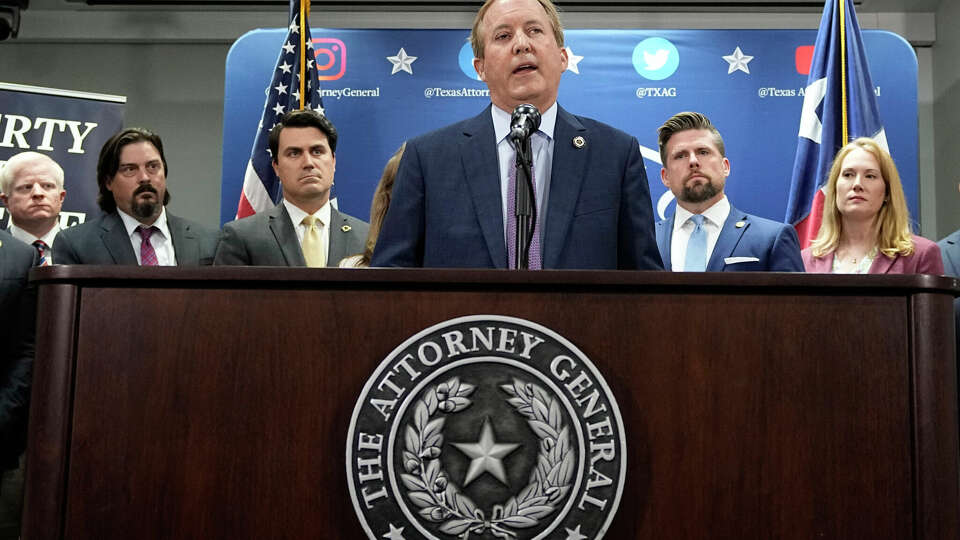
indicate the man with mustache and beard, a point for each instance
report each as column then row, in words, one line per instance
column 135, row 228
column 452, row 204
column 706, row 233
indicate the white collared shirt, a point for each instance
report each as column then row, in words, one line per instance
column 714, row 218
column 161, row 240
column 322, row 215
column 29, row 238
column 541, row 143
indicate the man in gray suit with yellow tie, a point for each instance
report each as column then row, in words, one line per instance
column 136, row 228
column 304, row 229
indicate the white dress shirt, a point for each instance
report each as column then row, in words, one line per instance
column 29, row 238
column 541, row 144
column 714, row 218
column 323, row 221
column 161, row 240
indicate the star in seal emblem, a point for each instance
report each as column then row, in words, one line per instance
column 486, row 427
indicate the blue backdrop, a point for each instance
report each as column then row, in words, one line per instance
column 381, row 87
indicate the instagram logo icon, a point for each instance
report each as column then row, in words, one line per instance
column 331, row 55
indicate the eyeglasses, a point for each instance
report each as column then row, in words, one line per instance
column 129, row 170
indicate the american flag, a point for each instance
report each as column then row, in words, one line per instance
column 839, row 105
column 261, row 187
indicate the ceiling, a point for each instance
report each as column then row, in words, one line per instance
column 862, row 6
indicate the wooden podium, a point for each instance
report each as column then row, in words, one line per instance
column 214, row 402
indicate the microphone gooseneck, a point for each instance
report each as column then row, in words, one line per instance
column 524, row 121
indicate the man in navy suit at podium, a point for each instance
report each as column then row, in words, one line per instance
column 451, row 205
column 706, row 233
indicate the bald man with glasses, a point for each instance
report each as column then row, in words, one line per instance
column 136, row 228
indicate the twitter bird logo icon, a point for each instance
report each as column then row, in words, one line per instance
column 656, row 58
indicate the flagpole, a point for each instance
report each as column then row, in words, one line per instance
column 843, row 74
column 304, row 12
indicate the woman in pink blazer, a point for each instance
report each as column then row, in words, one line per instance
column 866, row 224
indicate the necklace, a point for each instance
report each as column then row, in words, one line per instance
column 856, row 265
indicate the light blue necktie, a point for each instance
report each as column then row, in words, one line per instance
column 696, row 260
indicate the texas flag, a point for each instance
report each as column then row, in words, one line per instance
column 839, row 105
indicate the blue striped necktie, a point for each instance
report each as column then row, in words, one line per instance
column 41, row 248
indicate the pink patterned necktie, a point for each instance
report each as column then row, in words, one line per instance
column 148, row 257
column 534, row 258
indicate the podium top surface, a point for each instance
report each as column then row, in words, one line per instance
column 413, row 278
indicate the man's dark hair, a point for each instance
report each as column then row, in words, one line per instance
column 109, row 162
column 304, row 118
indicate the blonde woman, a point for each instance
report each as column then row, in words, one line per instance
column 866, row 224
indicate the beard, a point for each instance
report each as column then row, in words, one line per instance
column 148, row 208
column 699, row 193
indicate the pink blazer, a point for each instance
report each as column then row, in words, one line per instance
column 925, row 260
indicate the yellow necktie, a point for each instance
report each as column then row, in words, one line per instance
column 314, row 251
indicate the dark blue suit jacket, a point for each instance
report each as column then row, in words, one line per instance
column 446, row 209
column 950, row 250
column 774, row 245
column 17, row 323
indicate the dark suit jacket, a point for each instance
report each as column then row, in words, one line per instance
column 17, row 323
column 950, row 250
column 104, row 240
column 269, row 239
column 924, row 260
column 774, row 245
column 446, row 209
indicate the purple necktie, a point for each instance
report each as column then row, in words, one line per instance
column 534, row 258
column 148, row 257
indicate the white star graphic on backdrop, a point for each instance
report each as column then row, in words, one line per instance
column 402, row 62
column 396, row 533
column 486, row 455
column 738, row 61
column 574, row 534
column 284, row 67
column 573, row 61
column 320, row 110
column 289, row 48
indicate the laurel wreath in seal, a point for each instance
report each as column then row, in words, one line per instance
column 440, row 500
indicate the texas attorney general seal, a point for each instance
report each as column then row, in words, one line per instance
column 486, row 427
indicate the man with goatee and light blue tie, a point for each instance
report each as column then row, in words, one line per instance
column 706, row 233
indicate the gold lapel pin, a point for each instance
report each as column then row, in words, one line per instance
column 346, row 228
column 741, row 224
column 579, row 142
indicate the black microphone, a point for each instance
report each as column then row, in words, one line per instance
column 524, row 121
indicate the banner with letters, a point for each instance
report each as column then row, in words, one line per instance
column 381, row 87
column 68, row 126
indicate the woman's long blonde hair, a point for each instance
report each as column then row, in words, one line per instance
column 894, row 235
